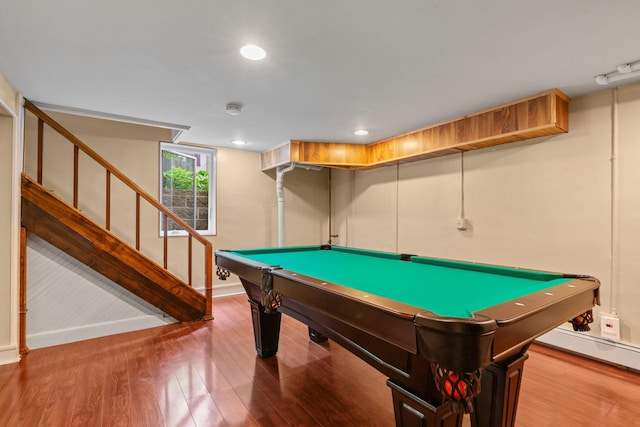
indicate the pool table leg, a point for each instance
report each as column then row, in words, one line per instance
column 412, row 411
column 266, row 330
column 497, row 402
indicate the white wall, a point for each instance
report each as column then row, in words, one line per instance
column 10, row 117
column 626, row 291
column 6, row 290
column 543, row 204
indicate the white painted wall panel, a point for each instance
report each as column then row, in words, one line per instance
column 341, row 215
column 67, row 301
column 428, row 203
column 626, row 280
column 375, row 201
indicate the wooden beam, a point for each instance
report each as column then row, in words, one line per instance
column 543, row 114
column 329, row 153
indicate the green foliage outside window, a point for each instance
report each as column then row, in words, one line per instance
column 202, row 180
column 181, row 179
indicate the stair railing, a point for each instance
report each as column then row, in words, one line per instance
column 111, row 170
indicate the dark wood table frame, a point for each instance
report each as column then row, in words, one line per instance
column 403, row 342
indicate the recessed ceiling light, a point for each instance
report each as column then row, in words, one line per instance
column 253, row 52
column 239, row 142
column 361, row 132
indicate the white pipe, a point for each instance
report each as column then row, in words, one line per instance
column 462, row 185
column 280, row 171
column 615, row 214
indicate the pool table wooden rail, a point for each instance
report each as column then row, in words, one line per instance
column 505, row 330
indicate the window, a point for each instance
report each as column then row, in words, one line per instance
column 187, row 177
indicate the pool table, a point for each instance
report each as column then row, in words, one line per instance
column 451, row 336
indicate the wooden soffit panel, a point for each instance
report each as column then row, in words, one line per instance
column 543, row 114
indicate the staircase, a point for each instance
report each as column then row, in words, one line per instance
column 63, row 225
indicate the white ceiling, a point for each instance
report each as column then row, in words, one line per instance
column 332, row 66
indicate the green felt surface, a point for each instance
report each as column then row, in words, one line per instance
column 449, row 288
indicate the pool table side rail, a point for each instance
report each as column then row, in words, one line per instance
column 241, row 266
column 397, row 308
column 258, row 251
column 385, row 319
column 507, row 329
column 311, row 248
column 490, row 268
column 515, row 332
column 518, row 308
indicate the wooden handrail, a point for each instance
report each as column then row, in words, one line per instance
column 112, row 170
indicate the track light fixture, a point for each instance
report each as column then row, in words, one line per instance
column 622, row 72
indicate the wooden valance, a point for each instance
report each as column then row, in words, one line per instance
column 543, row 114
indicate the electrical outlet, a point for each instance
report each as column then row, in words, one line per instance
column 462, row 223
column 610, row 326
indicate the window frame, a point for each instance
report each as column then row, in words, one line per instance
column 190, row 150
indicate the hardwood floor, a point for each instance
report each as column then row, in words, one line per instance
column 207, row 374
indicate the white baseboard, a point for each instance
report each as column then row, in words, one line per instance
column 9, row 354
column 613, row 352
column 225, row 290
column 228, row 289
column 85, row 332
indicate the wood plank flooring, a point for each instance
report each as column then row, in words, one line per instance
column 207, row 374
